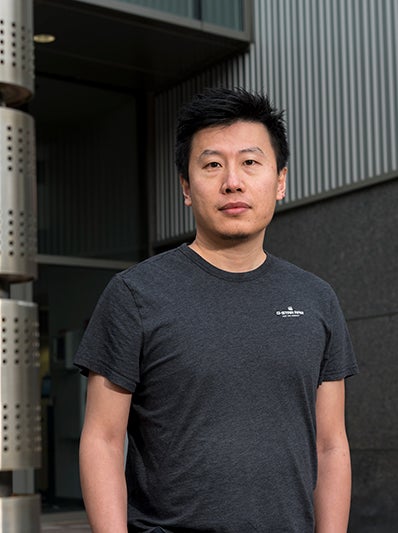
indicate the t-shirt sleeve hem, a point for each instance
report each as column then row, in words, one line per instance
column 109, row 374
column 341, row 374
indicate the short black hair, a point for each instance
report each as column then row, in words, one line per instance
column 221, row 106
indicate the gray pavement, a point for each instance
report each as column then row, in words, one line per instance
column 66, row 522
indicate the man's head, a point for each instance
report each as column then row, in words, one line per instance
column 220, row 106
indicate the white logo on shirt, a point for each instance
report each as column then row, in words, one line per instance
column 290, row 312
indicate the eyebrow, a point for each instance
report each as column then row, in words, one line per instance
column 249, row 150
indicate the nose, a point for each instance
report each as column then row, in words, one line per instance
column 232, row 182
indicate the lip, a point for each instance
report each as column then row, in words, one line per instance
column 235, row 208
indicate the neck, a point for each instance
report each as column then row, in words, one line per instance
column 241, row 256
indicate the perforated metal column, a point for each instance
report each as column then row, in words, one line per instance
column 18, row 225
column 20, row 433
column 19, row 386
column 18, row 514
column 16, row 50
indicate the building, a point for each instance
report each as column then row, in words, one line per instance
column 107, row 91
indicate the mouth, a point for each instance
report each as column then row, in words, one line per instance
column 235, row 208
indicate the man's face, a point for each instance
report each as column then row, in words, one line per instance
column 233, row 182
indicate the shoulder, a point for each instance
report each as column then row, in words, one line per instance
column 299, row 282
column 295, row 274
column 159, row 269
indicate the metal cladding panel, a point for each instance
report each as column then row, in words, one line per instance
column 20, row 432
column 16, row 51
column 333, row 65
column 18, row 218
column 19, row 514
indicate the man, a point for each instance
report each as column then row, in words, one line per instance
column 225, row 364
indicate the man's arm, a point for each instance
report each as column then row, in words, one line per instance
column 102, row 455
column 333, row 491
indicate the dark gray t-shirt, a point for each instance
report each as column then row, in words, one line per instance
column 224, row 368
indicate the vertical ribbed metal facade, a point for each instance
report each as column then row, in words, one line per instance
column 333, row 65
column 88, row 189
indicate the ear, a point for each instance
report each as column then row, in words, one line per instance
column 186, row 191
column 281, row 188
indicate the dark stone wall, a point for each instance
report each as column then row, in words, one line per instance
column 352, row 241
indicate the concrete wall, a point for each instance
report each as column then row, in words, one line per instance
column 352, row 242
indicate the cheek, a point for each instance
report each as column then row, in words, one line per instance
column 197, row 202
column 203, row 196
column 268, row 203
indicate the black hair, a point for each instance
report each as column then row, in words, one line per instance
column 221, row 106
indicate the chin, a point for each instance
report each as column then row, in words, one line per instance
column 238, row 237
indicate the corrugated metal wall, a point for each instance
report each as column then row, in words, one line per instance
column 333, row 65
column 88, row 193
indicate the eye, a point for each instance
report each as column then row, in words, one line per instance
column 212, row 164
column 250, row 162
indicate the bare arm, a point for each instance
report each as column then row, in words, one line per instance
column 333, row 491
column 102, row 455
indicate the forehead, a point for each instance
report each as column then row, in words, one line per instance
column 238, row 135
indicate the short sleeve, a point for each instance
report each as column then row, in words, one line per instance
column 339, row 358
column 111, row 344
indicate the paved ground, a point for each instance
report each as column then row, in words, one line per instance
column 67, row 522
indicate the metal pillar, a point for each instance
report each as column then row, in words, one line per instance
column 20, row 433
